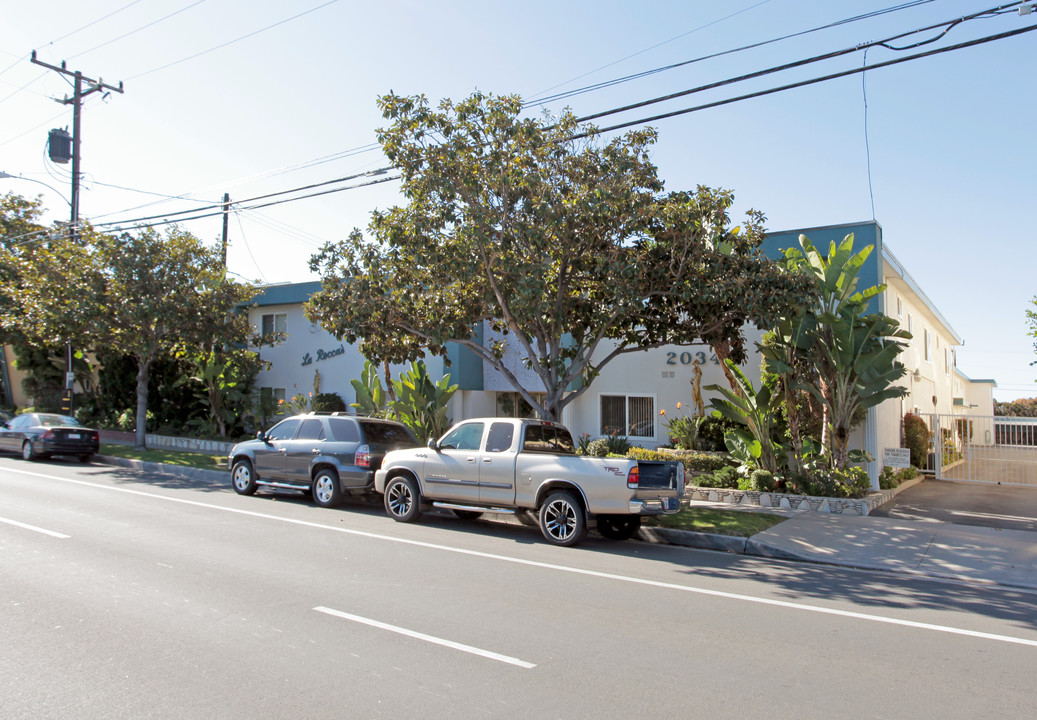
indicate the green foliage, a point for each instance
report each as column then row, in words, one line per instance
column 598, row 448
column 617, row 444
column 554, row 237
column 916, row 438
column 371, row 398
column 712, row 431
column 851, row 482
column 328, row 402
column 684, row 431
column 1024, row 407
column 753, row 445
column 762, row 480
column 138, row 294
column 725, row 477
column 694, row 462
column 295, row 405
column 420, row 403
column 582, row 442
column 222, row 383
column 845, row 359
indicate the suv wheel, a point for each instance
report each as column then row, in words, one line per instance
column 326, row 489
column 243, row 478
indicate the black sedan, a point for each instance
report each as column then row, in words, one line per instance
column 39, row 435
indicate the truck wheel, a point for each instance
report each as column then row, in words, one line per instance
column 467, row 514
column 242, row 477
column 402, row 499
column 326, row 489
column 561, row 519
column 619, row 527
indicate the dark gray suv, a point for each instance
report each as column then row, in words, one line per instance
column 326, row 455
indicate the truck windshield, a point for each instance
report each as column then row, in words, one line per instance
column 548, row 439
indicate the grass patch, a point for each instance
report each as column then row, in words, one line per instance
column 741, row 523
column 169, row 457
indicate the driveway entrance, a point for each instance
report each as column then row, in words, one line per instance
column 983, row 449
column 962, row 503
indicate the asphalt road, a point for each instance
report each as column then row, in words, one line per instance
column 124, row 595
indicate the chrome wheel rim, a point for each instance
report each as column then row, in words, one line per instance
column 560, row 519
column 323, row 488
column 400, row 499
column 242, row 477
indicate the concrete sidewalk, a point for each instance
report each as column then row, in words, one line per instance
column 934, row 549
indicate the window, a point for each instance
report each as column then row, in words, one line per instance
column 274, row 324
column 463, row 437
column 910, row 324
column 549, row 439
column 284, row 430
column 311, row 429
column 385, row 433
column 928, row 347
column 900, row 306
column 630, row 415
column 500, row 437
column 513, row 405
column 343, row 430
column 947, row 360
column 270, row 399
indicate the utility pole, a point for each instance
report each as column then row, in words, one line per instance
column 226, row 210
column 76, row 101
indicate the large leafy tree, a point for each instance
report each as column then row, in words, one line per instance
column 558, row 239
column 832, row 348
column 137, row 294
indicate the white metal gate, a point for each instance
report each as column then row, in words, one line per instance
column 987, row 449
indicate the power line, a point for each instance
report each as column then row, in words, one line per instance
column 948, row 25
column 665, row 68
column 812, row 81
column 379, row 171
column 231, row 42
column 142, row 27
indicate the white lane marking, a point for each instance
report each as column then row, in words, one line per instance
column 563, row 568
column 35, row 529
column 427, row 638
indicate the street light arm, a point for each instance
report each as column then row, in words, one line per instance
column 40, row 182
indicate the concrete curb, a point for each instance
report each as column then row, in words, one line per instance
column 182, row 471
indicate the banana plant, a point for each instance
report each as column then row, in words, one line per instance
column 753, row 446
column 421, row 404
column 371, row 397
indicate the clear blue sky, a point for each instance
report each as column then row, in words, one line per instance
column 952, row 144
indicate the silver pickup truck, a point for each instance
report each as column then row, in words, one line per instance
column 523, row 467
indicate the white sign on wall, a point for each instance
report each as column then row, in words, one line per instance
column 896, row 457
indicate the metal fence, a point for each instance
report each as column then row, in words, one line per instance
column 986, row 449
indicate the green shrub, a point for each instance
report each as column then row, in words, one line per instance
column 907, row 473
column 582, row 442
column 854, row 482
column 712, row 431
column 725, row 477
column 328, row 402
column 888, row 478
column 694, row 462
column 763, row 481
column 916, row 438
column 617, row 444
column 598, row 448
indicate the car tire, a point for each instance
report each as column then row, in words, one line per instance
column 618, row 527
column 327, row 492
column 86, row 458
column 243, row 477
column 28, row 451
column 467, row 514
column 403, row 499
column 562, row 520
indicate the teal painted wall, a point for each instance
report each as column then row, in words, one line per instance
column 867, row 233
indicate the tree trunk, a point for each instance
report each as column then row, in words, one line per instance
column 143, row 370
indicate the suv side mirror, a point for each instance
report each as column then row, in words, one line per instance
column 433, row 445
column 261, row 435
